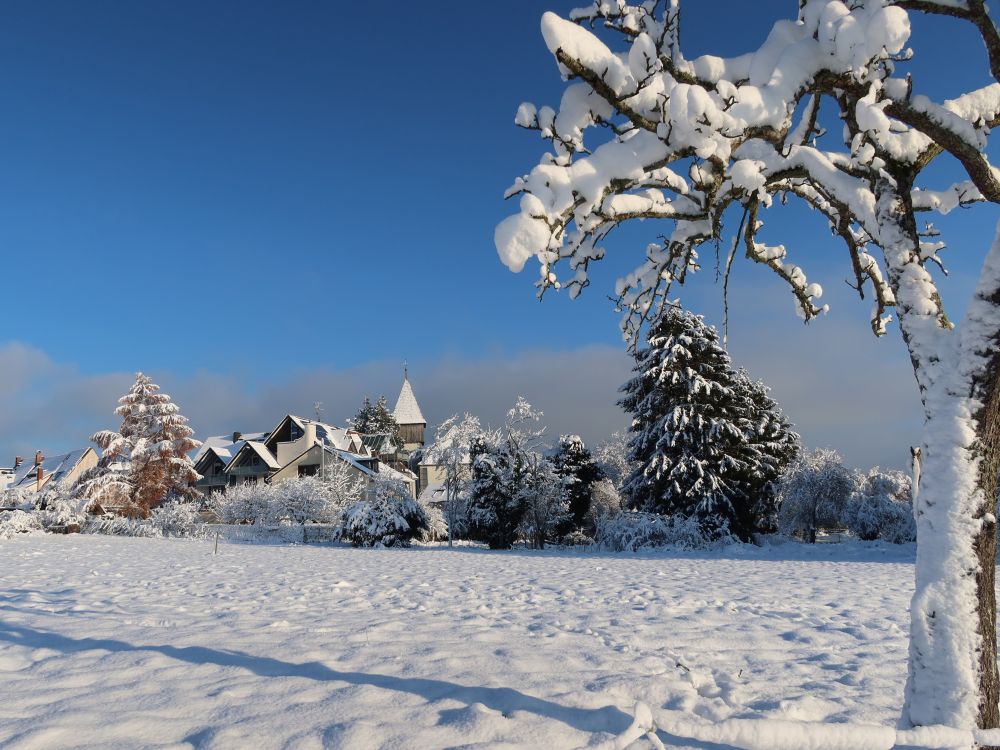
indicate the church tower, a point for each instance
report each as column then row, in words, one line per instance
column 409, row 417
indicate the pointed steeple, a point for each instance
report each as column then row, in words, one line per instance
column 407, row 411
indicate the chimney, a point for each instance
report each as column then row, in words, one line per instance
column 18, row 461
column 39, row 473
column 310, row 433
column 39, row 458
column 237, row 436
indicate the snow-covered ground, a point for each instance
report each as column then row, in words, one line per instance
column 118, row 642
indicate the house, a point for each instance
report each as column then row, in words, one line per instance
column 62, row 471
column 295, row 447
column 432, row 480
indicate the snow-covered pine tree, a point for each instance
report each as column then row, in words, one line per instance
column 500, row 461
column 576, row 467
column 770, row 445
column 109, row 484
column 377, row 419
column 687, row 438
column 363, row 419
column 147, row 460
column 494, row 508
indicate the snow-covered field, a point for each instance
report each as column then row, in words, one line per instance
column 117, row 642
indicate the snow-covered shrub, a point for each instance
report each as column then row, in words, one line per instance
column 437, row 526
column 881, row 508
column 813, row 493
column 631, row 531
column 577, row 538
column 14, row 522
column 389, row 517
column 18, row 499
column 613, row 457
column 177, row 519
column 56, row 506
column 295, row 501
column 112, row 525
column 242, row 503
column 605, row 501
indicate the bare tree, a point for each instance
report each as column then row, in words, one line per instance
column 685, row 140
column 450, row 450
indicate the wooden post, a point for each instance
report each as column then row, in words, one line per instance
column 216, row 543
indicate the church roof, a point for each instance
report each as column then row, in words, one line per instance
column 407, row 409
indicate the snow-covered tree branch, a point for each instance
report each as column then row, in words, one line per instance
column 645, row 132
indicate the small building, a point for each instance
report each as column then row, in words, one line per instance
column 409, row 417
column 54, row 471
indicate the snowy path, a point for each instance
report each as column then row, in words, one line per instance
column 109, row 642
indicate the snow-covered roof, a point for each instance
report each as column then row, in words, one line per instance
column 434, row 492
column 407, row 409
column 223, row 445
column 261, row 450
column 336, row 437
column 55, row 466
column 402, row 476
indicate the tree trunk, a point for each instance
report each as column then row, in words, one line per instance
column 953, row 672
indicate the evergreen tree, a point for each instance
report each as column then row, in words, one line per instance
column 501, row 463
column 495, row 509
column 771, row 445
column 687, row 430
column 578, row 470
column 377, row 419
column 147, row 460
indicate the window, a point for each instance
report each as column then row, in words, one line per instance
column 308, row 470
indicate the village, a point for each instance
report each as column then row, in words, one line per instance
column 295, row 447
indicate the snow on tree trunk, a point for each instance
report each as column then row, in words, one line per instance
column 818, row 113
column 953, row 676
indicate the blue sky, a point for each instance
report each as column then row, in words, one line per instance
column 287, row 199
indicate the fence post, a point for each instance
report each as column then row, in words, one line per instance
column 216, row 543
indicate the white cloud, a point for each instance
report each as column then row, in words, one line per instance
column 864, row 404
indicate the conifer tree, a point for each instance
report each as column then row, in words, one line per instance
column 377, row 419
column 687, row 430
column 499, row 490
column 770, row 446
column 147, row 460
column 495, row 510
column 578, row 470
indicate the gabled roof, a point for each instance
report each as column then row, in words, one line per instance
column 54, row 467
column 260, row 449
column 407, row 409
column 224, row 447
